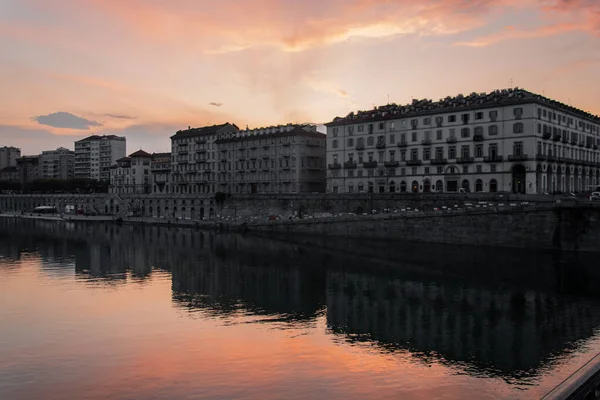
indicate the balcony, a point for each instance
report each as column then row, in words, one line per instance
column 491, row 159
column 581, row 144
column 573, row 142
column 588, row 145
column 541, row 157
column 335, row 166
column 201, row 151
column 551, row 158
column 200, row 141
column 438, row 161
column 391, row 164
column 556, row 137
column 403, row 143
column 350, row 164
column 595, row 147
column 426, row 142
column 451, row 139
column 360, row 147
column 413, row 162
column 478, row 137
column 286, row 144
column 546, row 135
column 565, row 139
column 465, row 160
column 370, row 164
column 518, row 157
column 380, row 145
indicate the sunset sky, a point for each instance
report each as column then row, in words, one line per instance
column 146, row 68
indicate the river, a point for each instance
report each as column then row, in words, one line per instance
column 130, row 312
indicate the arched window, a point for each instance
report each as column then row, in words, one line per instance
column 392, row 187
column 465, row 132
column 478, row 185
column 426, row 186
column 360, row 142
column 414, row 187
column 465, row 185
column 403, row 186
column 479, row 130
column 361, row 187
column 493, row 186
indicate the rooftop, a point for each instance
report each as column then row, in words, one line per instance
column 274, row 131
column 203, row 131
column 458, row 103
column 103, row 137
column 140, row 153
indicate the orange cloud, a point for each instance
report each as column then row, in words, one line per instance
column 512, row 32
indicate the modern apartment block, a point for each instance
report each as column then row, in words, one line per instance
column 8, row 156
column 57, row 164
column 131, row 175
column 507, row 140
column 160, row 168
column 276, row 159
column 194, row 158
column 95, row 155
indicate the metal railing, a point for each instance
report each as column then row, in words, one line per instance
column 583, row 384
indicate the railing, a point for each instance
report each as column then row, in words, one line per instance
column 439, row 161
column 360, row 147
column 478, row 137
column 335, row 166
column 380, row 145
column 546, row 135
column 370, row 164
column 402, row 143
column 518, row 157
column 391, row 164
column 426, row 142
column 541, row 157
column 350, row 164
column 556, row 137
column 583, row 384
column 413, row 162
column 451, row 140
column 465, row 160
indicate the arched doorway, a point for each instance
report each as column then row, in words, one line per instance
column 478, row 186
column 414, row 187
column 493, row 186
column 465, row 185
column 439, row 186
column 426, row 186
column 518, row 178
column 403, row 186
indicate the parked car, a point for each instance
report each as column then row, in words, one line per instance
column 595, row 196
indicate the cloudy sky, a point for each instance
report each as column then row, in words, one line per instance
column 145, row 68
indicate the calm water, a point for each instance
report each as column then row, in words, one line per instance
column 95, row 312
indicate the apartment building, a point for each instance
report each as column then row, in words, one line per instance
column 95, row 154
column 508, row 140
column 57, row 164
column 28, row 168
column 8, row 156
column 131, row 175
column 194, row 158
column 160, row 168
column 276, row 159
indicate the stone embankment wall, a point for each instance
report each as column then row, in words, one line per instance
column 568, row 228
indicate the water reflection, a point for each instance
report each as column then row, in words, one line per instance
column 485, row 312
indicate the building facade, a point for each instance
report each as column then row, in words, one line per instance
column 8, row 156
column 507, row 140
column 28, row 168
column 95, row 155
column 194, row 158
column 277, row 159
column 57, row 164
column 131, row 175
column 160, row 168
column 9, row 174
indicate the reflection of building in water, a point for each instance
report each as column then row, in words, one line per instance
column 502, row 331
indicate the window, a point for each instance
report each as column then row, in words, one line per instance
column 403, row 138
column 465, row 132
column 440, row 170
column 360, row 142
column 493, row 115
column 392, row 155
column 392, row 138
column 392, row 126
column 439, row 121
column 360, row 128
column 439, row 153
column 479, row 130
column 479, row 169
column 518, row 148
column 465, row 169
column 452, row 133
column 403, row 155
column 381, row 126
column 370, row 128
column 426, row 154
column 414, row 123
column 451, row 118
column 334, row 144
column 414, row 154
column 493, row 168
column 493, row 130
column 350, row 130
column 545, row 113
column 518, row 113
column 493, row 150
column 350, row 142
column 414, row 136
column 452, row 152
column 414, row 171
column 439, row 134
column 426, row 170
column 335, row 132
column 479, row 115
column 370, row 141
column 465, row 118
column 465, row 152
column 427, row 121
column 479, row 151
column 518, row 127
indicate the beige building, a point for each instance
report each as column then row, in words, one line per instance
column 160, row 168
column 277, row 159
column 57, row 164
column 131, row 175
column 194, row 158
column 8, row 156
column 95, row 155
column 507, row 140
